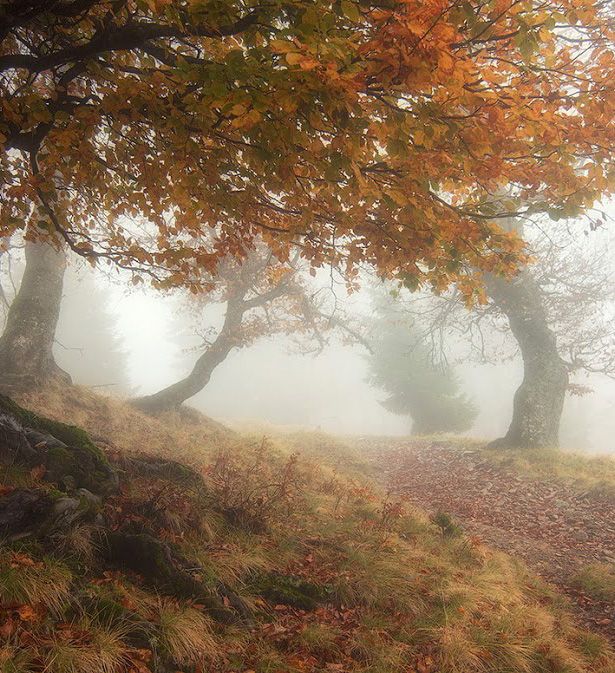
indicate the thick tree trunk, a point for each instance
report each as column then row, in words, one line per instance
column 539, row 400
column 26, row 346
column 176, row 394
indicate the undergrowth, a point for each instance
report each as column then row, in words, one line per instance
column 316, row 571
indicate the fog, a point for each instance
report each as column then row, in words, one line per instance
column 271, row 382
column 151, row 343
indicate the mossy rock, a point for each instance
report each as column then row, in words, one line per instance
column 290, row 590
column 75, row 461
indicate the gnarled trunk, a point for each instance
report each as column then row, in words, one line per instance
column 26, row 345
column 176, row 394
column 539, row 401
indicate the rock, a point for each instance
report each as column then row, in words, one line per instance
column 23, row 511
column 70, row 458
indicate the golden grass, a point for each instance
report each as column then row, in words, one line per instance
column 85, row 647
column 582, row 472
column 185, row 633
column 400, row 595
column 597, row 580
column 186, row 437
column 24, row 581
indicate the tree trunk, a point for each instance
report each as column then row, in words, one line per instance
column 26, row 346
column 539, row 401
column 176, row 394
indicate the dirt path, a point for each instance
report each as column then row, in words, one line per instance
column 554, row 529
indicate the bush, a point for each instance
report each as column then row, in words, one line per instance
column 254, row 486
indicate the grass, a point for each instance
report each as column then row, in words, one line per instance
column 390, row 591
column 598, row 581
column 595, row 474
column 26, row 581
column 580, row 471
column 185, row 633
column 84, row 647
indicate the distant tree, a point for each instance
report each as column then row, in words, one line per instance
column 401, row 364
column 87, row 345
column 261, row 296
column 557, row 313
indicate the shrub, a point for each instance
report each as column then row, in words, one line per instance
column 446, row 524
column 253, row 486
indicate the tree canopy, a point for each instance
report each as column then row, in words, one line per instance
column 163, row 135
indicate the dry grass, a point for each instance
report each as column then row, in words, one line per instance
column 190, row 437
column 598, row 581
column 595, row 474
column 25, row 581
column 185, row 633
column 395, row 594
column 85, row 647
column 14, row 660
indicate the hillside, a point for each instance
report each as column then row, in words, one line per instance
column 554, row 510
column 193, row 548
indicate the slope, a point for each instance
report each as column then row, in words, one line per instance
column 224, row 553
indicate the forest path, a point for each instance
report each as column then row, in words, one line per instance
column 553, row 528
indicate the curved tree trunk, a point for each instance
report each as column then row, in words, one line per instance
column 176, row 394
column 26, row 345
column 539, row 401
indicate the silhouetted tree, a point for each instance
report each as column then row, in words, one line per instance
column 557, row 313
column 261, row 296
column 87, row 344
column 401, row 364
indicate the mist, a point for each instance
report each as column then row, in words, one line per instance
column 272, row 382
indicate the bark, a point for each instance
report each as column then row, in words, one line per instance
column 176, row 394
column 26, row 346
column 539, row 401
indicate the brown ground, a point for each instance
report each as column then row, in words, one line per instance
column 555, row 529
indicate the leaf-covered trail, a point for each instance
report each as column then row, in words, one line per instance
column 555, row 529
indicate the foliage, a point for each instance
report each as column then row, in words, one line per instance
column 161, row 136
column 251, row 487
column 401, row 364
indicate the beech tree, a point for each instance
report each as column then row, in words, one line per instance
column 164, row 136
column 261, row 297
column 557, row 313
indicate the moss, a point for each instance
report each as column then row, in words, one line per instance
column 290, row 590
column 81, row 460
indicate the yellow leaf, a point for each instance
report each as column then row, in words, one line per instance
column 239, row 109
column 293, row 58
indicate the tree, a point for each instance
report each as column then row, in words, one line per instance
column 162, row 137
column 26, row 345
column 557, row 312
column 87, row 343
column 262, row 297
column 86, row 346
column 401, row 364
column 539, row 400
